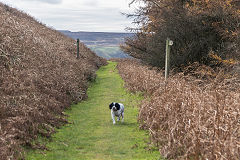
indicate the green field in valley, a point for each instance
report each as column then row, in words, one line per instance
column 108, row 51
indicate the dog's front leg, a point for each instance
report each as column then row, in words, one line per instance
column 113, row 117
column 122, row 116
column 118, row 118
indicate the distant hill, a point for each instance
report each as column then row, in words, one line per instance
column 98, row 38
column 105, row 44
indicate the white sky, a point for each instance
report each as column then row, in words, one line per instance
column 78, row 15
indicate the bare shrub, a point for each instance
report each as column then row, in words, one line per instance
column 197, row 27
column 187, row 117
column 39, row 77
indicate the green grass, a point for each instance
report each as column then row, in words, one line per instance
column 91, row 134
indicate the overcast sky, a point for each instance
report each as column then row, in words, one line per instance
column 78, row 15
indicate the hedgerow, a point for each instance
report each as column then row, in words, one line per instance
column 188, row 117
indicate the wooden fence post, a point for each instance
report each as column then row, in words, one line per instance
column 167, row 60
column 77, row 48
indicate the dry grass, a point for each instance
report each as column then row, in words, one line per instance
column 188, row 117
column 39, row 77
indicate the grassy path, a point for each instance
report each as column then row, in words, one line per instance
column 92, row 136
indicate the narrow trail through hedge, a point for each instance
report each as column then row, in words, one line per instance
column 91, row 134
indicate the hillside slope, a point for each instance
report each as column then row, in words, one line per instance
column 39, row 77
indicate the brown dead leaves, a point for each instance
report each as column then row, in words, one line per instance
column 39, row 77
column 187, row 119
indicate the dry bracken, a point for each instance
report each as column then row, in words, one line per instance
column 187, row 117
column 39, row 77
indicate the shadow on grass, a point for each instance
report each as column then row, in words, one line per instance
column 128, row 124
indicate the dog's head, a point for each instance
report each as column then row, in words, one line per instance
column 114, row 106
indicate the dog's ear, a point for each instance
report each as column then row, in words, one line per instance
column 111, row 105
column 118, row 106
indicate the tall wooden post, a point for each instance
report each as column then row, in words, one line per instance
column 167, row 60
column 77, row 48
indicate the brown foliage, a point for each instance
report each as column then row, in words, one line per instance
column 39, row 78
column 188, row 117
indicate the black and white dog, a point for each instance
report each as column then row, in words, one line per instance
column 117, row 109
